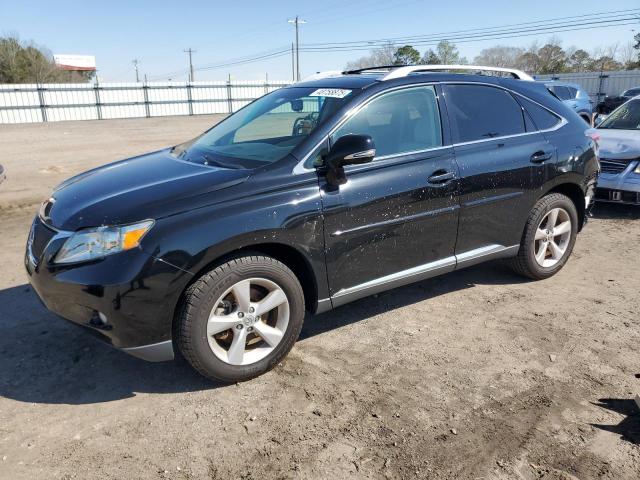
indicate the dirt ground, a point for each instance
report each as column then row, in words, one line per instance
column 474, row 375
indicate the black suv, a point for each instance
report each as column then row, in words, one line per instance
column 311, row 197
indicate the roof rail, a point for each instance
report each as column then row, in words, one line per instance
column 380, row 68
column 404, row 71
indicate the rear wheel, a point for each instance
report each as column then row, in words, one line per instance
column 241, row 318
column 548, row 238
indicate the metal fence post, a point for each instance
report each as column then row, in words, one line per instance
column 189, row 98
column 96, row 93
column 229, row 98
column 601, row 93
column 43, row 106
column 145, row 92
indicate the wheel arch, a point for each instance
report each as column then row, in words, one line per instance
column 576, row 194
column 287, row 254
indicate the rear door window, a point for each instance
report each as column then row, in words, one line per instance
column 479, row 112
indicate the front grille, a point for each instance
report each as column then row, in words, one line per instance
column 615, row 167
column 39, row 238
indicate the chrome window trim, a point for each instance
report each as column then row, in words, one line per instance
column 300, row 168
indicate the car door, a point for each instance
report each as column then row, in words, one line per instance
column 503, row 164
column 395, row 220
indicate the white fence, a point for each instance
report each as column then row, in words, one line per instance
column 598, row 85
column 59, row 102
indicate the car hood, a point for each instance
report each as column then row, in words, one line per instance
column 620, row 144
column 152, row 186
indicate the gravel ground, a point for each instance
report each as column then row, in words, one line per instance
column 477, row 374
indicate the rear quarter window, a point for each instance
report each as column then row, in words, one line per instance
column 542, row 118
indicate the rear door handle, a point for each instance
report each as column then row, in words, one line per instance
column 439, row 178
column 541, row 156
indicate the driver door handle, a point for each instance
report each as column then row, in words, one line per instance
column 441, row 176
column 541, row 156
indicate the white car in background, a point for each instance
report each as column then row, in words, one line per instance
column 619, row 180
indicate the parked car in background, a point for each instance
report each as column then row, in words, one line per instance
column 574, row 96
column 620, row 155
column 3, row 175
column 610, row 103
column 311, row 197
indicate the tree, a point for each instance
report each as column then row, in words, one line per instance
column 430, row 58
column 579, row 61
column 552, row 59
column 605, row 63
column 499, row 56
column 22, row 62
column 448, row 53
column 406, row 55
column 384, row 55
column 630, row 55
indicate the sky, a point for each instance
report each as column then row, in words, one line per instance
column 157, row 32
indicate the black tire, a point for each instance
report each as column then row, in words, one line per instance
column 191, row 323
column 525, row 263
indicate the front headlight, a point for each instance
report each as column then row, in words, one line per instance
column 98, row 242
column 637, row 170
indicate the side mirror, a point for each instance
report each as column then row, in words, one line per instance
column 348, row 150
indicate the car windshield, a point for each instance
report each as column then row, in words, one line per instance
column 266, row 130
column 626, row 117
column 632, row 92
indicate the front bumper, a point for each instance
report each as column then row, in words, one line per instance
column 126, row 299
column 619, row 188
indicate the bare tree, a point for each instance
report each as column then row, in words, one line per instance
column 499, row 56
column 384, row 55
column 628, row 55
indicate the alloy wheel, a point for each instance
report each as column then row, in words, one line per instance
column 552, row 238
column 248, row 321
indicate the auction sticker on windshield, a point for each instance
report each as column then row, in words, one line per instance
column 331, row 92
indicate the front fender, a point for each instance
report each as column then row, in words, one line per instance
column 286, row 215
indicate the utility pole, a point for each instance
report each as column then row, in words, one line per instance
column 135, row 62
column 190, row 51
column 293, row 65
column 297, row 22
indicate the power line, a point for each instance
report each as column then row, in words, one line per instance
column 548, row 26
column 437, row 35
column 488, row 35
column 434, row 43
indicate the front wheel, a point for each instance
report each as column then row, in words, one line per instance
column 241, row 318
column 548, row 238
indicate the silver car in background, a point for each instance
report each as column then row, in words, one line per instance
column 619, row 142
column 574, row 96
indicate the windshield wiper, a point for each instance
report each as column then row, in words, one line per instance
column 209, row 161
